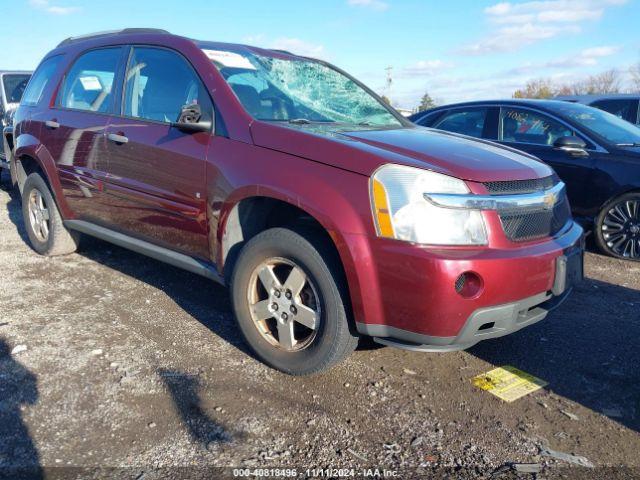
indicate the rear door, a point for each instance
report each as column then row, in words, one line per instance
column 535, row 132
column 75, row 128
column 156, row 173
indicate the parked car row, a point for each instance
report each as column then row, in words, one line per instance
column 595, row 153
column 12, row 85
column 329, row 216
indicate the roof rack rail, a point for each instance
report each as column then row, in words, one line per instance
column 79, row 38
column 287, row 52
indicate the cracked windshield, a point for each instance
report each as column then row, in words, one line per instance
column 298, row 91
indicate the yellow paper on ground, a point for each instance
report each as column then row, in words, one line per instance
column 508, row 383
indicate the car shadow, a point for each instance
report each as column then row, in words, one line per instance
column 19, row 457
column 14, row 207
column 203, row 299
column 185, row 393
column 587, row 350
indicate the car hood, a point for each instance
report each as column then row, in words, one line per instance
column 364, row 150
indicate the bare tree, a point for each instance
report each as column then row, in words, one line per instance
column 539, row 88
column 634, row 72
column 606, row 82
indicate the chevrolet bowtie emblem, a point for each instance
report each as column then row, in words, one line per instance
column 549, row 200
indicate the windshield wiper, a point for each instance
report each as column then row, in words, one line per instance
column 633, row 144
column 299, row 121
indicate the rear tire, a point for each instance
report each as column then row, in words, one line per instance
column 617, row 228
column 287, row 293
column 47, row 234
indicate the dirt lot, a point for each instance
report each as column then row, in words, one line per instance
column 133, row 364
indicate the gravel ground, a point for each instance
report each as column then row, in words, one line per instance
column 121, row 362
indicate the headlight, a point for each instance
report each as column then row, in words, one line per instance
column 401, row 211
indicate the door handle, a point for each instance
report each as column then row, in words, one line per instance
column 52, row 124
column 119, row 139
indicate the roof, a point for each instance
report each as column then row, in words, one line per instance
column 600, row 96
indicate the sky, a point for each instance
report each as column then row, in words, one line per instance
column 455, row 50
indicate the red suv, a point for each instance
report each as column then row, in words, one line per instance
column 329, row 215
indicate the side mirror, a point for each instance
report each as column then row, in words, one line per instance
column 190, row 120
column 572, row 145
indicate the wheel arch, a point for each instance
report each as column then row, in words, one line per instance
column 252, row 211
column 31, row 156
column 625, row 191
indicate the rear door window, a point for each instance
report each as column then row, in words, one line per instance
column 35, row 88
column 627, row 109
column 526, row 126
column 90, row 83
column 468, row 121
column 159, row 83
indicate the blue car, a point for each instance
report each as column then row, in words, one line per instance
column 595, row 153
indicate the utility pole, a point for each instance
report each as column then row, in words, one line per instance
column 389, row 71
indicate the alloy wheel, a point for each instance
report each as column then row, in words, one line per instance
column 621, row 229
column 284, row 304
column 38, row 215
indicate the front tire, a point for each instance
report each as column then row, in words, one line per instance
column 618, row 228
column 47, row 234
column 287, row 294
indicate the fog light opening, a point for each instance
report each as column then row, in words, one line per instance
column 469, row 285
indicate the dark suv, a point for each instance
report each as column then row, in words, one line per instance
column 327, row 214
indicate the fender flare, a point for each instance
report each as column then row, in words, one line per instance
column 27, row 146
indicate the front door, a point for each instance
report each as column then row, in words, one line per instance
column 535, row 133
column 156, row 173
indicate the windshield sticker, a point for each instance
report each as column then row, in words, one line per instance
column 229, row 59
column 91, row 83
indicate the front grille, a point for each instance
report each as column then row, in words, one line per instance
column 519, row 187
column 531, row 225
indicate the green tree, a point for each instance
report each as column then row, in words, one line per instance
column 426, row 103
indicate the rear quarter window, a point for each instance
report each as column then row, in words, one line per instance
column 39, row 81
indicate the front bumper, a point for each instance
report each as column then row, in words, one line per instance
column 422, row 310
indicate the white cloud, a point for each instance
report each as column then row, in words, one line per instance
column 299, row 47
column 588, row 57
column 46, row 6
column 517, row 25
column 425, row 68
column 372, row 4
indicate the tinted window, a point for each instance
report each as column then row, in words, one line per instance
column 602, row 123
column 526, row 126
column 89, row 85
column 468, row 122
column 33, row 93
column 14, row 86
column 623, row 108
column 426, row 120
column 159, row 83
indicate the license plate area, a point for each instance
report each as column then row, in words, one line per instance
column 569, row 271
